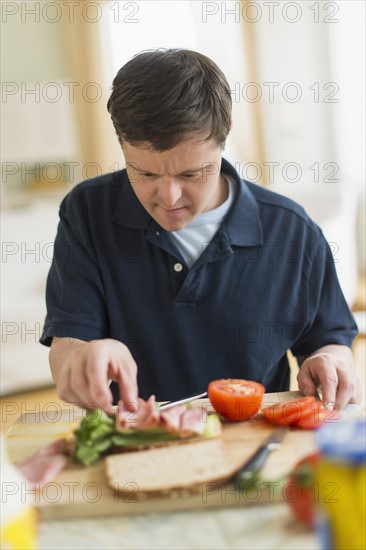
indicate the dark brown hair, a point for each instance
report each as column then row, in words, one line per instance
column 164, row 96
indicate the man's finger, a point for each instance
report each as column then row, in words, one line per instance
column 99, row 394
column 357, row 397
column 65, row 390
column 347, row 390
column 126, row 378
column 329, row 383
column 305, row 382
column 79, row 385
column 128, row 391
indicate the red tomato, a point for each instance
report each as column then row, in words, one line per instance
column 236, row 399
column 301, row 490
column 315, row 416
column 289, row 411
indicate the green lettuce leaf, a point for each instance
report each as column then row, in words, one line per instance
column 97, row 433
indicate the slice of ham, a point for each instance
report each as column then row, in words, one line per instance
column 43, row 466
column 191, row 422
column 178, row 420
column 42, row 470
column 145, row 416
column 170, row 419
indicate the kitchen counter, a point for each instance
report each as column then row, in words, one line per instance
column 251, row 527
column 266, row 525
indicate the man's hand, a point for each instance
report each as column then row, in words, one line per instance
column 330, row 368
column 82, row 371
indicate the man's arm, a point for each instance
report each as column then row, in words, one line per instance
column 331, row 368
column 82, row 371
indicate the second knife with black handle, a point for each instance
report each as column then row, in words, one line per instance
column 256, row 462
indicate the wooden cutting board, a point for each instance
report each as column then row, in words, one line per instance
column 84, row 492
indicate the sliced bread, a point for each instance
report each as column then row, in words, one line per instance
column 167, row 468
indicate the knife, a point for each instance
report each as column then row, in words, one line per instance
column 171, row 404
column 257, row 460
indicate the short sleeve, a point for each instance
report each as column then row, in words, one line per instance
column 75, row 292
column 330, row 319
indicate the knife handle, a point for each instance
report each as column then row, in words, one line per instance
column 253, row 465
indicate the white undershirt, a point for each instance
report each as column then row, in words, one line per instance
column 192, row 240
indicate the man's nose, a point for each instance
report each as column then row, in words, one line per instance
column 169, row 192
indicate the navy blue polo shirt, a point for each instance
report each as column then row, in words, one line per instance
column 265, row 283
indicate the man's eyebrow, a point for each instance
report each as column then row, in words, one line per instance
column 188, row 171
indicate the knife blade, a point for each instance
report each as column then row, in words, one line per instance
column 171, row 404
column 256, row 462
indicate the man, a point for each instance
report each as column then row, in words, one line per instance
column 175, row 272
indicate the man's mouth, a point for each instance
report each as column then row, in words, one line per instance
column 172, row 210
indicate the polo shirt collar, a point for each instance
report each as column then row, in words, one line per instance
column 242, row 224
column 129, row 212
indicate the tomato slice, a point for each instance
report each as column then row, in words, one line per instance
column 289, row 411
column 236, row 399
column 316, row 415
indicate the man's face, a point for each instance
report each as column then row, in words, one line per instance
column 175, row 186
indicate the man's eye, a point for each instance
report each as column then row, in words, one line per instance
column 148, row 174
column 190, row 174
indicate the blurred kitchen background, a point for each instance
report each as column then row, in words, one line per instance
column 297, row 74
